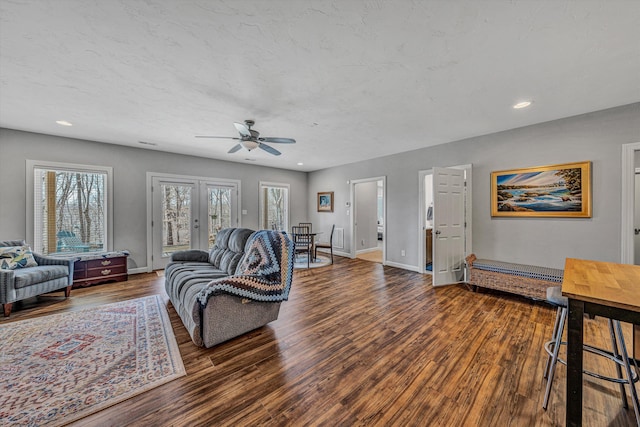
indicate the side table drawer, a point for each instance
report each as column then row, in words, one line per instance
column 109, row 270
column 106, row 262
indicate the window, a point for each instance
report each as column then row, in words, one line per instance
column 71, row 208
column 274, row 206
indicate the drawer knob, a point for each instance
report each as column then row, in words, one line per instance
column 105, row 272
column 106, row 262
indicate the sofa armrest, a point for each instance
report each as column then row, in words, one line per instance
column 47, row 260
column 193, row 255
column 7, row 280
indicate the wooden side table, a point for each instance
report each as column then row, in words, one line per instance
column 100, row 268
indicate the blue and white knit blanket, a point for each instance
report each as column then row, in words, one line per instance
column 265, row 273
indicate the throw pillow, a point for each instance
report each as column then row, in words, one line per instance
column 12, row 257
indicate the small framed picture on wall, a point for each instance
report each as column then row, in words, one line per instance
column 325, row 201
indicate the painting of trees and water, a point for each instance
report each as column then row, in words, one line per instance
column 553, row 191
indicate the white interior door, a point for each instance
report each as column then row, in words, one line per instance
column 448, row 226
column 188, row 213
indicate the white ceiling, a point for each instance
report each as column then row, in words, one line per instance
column 349, row 80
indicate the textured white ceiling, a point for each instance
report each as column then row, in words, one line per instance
column 349, row 80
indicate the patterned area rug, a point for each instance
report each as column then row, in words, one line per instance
column 59, row 368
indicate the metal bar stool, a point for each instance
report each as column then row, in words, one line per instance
column 619, row 357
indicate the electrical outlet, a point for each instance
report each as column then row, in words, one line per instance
column 402, row 253
column 362, row 242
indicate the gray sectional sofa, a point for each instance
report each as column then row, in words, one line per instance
column 234, row 288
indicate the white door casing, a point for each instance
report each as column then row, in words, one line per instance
column 448, row 226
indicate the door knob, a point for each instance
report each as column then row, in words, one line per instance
column 437, row 232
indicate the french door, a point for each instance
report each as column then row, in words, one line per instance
column 187, row 213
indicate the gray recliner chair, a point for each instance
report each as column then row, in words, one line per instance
column 51, row 274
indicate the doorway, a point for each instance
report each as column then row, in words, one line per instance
column 630, row 199
column 445, row 196
column 630, row 216
column 368, row 227
column 187, row 213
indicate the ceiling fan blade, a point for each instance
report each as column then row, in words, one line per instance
column 243, row 129
column 221, row 137
column 235, row 148
column 278, row 140
column 269, row 150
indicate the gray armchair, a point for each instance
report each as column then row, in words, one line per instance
column 51, row 274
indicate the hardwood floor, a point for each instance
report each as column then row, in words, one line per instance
column 362, row 344
column 374, row 256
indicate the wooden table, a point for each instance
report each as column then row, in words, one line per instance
column 312, row 235
column 602, row 289
column 91, row 269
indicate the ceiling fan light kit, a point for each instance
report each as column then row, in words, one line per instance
column 250, row 139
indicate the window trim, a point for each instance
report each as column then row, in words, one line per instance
column 71, row 167
column 264, row 184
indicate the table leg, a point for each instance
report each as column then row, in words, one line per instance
column 574, row 363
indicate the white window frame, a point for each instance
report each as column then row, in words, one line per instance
column 266, row 184
column 71, row 167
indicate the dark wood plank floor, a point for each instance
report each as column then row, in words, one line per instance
column 362, row 344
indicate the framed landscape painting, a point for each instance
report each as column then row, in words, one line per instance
column 325, row 201
column 544, row 191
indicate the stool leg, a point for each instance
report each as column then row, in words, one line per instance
column 628, row 371
column 627, row 367
column 555, row 332
column 554, row 359
column 614, row 346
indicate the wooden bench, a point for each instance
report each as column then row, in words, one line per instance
column 527, row 280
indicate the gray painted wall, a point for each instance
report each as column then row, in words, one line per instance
column 130, row 166
column 597, row 137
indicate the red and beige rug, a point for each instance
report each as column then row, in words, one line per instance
column 59, row 368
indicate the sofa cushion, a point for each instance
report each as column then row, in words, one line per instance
column 35, row 275
column 229, row 248
column 12, row 257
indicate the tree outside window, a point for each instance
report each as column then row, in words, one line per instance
column 274, row 206
column 69, row 214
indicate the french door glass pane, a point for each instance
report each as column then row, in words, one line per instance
column 176, row 218
column 219, row 211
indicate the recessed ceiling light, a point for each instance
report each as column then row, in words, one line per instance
column 300, row 163
column 63, row 123
column 523, row 104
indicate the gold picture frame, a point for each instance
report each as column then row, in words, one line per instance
column 325, row 201
column 555, row 191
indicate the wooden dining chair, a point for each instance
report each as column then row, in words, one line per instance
column 302, row 241
column 326, row 245
column 307, row 224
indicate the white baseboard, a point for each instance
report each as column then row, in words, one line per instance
column 338, row 253
column 138, row 270
column 403, row 266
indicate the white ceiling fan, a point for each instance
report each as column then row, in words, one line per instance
column 251, row 139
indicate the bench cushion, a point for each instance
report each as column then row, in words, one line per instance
column 522, row 270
